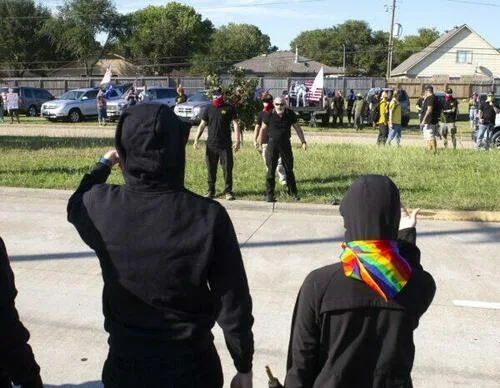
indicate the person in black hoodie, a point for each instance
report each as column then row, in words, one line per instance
column 17, row 362
column 170, row 261
column 353, row 321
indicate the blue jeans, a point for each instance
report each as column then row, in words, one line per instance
column 394, row 132
column 483, row 131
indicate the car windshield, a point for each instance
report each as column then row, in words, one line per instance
column 198, row 97
column 72, row 95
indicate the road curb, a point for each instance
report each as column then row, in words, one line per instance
column 277, row 207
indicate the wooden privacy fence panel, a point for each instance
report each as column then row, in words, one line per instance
column 275, row 85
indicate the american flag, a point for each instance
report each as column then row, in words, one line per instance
column 311, row 95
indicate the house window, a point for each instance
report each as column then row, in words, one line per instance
column 464, row 56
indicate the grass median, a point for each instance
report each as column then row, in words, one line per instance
column 452, row 179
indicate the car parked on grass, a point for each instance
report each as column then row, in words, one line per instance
column 30, row 98
column 78, row 104
column 403, row 99
column 191, row 110
column 155, row 94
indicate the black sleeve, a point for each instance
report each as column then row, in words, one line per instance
column 77, row 212
column 408, row 235
column 228, row 282
column 234, row 113
column 293, row 117
column 204, row 114
column 16, row 356
column 266, row 118
column 303, row 350
column 259, row 118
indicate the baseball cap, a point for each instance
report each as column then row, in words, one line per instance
column 429, row 88
column 267, row 98
column 449, row 91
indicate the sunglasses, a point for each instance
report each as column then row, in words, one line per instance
column 279, row 104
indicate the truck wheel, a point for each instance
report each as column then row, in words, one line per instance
column 75, row 116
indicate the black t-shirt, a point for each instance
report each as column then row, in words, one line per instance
column 279, row 128
column 489, row 113
column 433, row 118
column 260, row 119
column 219, row 124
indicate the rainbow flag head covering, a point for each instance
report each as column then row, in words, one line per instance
column 378, row 264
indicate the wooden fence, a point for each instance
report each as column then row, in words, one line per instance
column 275, row 85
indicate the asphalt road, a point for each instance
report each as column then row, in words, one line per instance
column 59, row 283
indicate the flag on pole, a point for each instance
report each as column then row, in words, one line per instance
column 107, row 76
column 316, row 91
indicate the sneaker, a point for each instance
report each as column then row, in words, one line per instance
column 210, row 195
column 230, row 196
column 270, row 198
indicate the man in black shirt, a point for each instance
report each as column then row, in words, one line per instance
column 277, row 126
column 487, row 116
column 430, row 117
column 448, row 118
column 218, row 116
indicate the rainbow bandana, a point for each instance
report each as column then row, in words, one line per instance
column 378, row 264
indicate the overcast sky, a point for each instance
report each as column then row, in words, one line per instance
column 284, row 20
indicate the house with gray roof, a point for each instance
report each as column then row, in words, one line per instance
column 458, row 53
column 285, row 63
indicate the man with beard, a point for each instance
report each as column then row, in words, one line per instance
column 170, row 261
column 218, row 116
column 276, row 125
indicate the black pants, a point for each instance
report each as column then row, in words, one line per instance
column 281, row 148
column 340, row 116
column 196, row 370
column 383, row 132
column 225, row 155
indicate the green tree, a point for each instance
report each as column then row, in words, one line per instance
column 411, row 44
column 230, row 44
column 77, row 24
column 365, row 49
column 23, row 46
column 165, row 37
column 239, row 91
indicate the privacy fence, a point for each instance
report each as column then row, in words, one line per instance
column 275, row 85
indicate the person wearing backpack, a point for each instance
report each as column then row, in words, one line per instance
column 382, row 118
column 394, row 119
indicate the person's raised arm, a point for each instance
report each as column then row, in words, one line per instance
column 77, row 213
column 201, row 127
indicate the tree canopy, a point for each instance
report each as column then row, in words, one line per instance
column 365, row 49
column 77, row 24
column 411, row 44
column 23, row 45
column 165, row 37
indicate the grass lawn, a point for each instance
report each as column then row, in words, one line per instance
column 461, row 179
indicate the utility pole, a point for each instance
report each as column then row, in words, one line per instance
column 343, row 45
column 390, row 48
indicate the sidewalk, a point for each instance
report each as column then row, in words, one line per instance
column 59, row 283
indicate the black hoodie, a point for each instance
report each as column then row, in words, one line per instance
column 170, row 259
column 344, row 334
column 17, row 362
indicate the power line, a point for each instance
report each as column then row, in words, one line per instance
column 474, row 3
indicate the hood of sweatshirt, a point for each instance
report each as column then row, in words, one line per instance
column 371, row 209
column 151, row 142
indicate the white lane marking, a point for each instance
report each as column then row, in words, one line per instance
column 477, row 304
